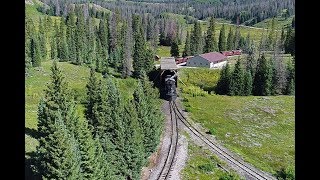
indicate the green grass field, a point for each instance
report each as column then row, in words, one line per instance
column 76, row 76
column 260, row 129
column 203, row 164
column 280, row 22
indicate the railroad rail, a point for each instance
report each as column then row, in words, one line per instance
column 250, row 171
column 167, row 167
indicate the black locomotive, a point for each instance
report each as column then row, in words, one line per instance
column 170, row 87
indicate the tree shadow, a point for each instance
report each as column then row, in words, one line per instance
column 29, row 162
column 31, row 132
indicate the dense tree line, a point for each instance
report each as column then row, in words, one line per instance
column 261, row 77
column 114, row 139
column 83, row 40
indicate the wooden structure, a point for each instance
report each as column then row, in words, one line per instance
column 168, row 66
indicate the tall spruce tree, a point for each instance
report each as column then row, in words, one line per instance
column 247, row 91
column 71, row 35
column 187, row 50
column 222, row 39
column 174, row 51
column 223, row 85
column 237, row 80
column 134, row 150
column 196, row 39
column 290, row 75
column 58, row 153
column 230, row 39
column 139, row 53
column 35, row 52
column 210, row 41
column 263, row 78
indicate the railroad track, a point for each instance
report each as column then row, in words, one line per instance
column 250, row 171
column 167, row 167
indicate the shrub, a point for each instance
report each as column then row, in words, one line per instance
column 206, row 167
column 286, row 173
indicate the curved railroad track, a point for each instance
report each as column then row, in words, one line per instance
column 167, row 167
column 250, row 171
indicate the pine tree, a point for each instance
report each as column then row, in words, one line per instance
column 103, row 33
column 63, row 51
column 237, row 80
column 139, row 53
column 196, row 39
column 290, row 76
column 80, row 39
column 71, row 35
column 222, row 39
column 223, row 85
column 230, row 40
column 247, row 91
column 210, row 41
column 282, row 40
column 263, row 78
column 134, row 150
column 237, row 37
column 92, row 97
column 174, row 51
column 54, row 52
column 57, row 153
column 35, row 52
column 42, row 40
column 127, row 64
column 187, row 50
column 102, row 168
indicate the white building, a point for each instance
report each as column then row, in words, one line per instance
column 209, row 60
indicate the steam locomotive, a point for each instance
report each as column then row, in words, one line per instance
column 170, row 87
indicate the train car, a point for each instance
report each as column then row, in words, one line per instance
column 236, row 52
column 227, row 53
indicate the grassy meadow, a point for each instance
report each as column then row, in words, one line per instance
column 258, row 128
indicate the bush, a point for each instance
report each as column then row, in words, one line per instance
column 194, row 91
column 228, row 176
column 212, row 131
column 286, row 173
column 206, row 167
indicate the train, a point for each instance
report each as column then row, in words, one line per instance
column 170, row 87
column 231, row 53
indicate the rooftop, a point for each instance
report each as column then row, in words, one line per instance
column 213, row 56
column 168, row 63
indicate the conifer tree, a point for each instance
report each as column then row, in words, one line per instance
column 57, row 153
column 42, row 40
column 223, row 85
column 196, row 39
column 54, row 52
column 237, row 37
column 174, row 51
column 102, row 168
column 139, row 53
column 263, row 78
column 230, row 40
column 71, row 35
column 237, row 78
column 222, row 39
column 187, row 50
column 210, row 41
column 290, row 75
column 270, row 41
column 35, row 52
column 134, row 150
column 282, row 40
column 92, row 97
column 247, row 91
column 63, row 50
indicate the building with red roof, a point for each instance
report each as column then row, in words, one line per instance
column 209, row 60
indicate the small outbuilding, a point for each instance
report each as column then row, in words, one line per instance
column 209, row 60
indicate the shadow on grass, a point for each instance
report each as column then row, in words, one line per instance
column 31, row 132
column 29, row 161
